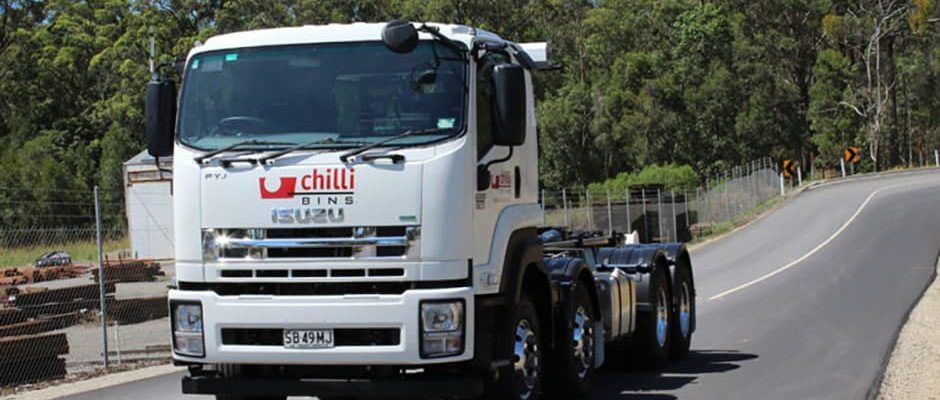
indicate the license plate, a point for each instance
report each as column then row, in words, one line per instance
column 308, row 338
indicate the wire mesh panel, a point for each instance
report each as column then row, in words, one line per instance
column 58, row 316
column 660, row 214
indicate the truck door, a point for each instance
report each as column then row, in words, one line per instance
column 513, row 182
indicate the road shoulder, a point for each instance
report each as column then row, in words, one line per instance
column 913, row 371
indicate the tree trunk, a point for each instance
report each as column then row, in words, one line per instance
column 894, row 131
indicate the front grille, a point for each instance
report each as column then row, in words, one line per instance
column 331, row 242
column 313, row 273
column 341, row 337
column 318, row 288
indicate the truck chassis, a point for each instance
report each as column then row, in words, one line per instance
column 611, row 303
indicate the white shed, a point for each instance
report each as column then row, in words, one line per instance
column 149, row 201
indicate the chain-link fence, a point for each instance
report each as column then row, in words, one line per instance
column 658, row 214
column 57, row 318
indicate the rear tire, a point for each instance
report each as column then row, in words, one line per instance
column 683, row 313
column 652, row 341
column 575, row 352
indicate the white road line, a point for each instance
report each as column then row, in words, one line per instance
column 811, row 252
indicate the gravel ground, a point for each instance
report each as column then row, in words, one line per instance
column 914, row 369
column 135, row 342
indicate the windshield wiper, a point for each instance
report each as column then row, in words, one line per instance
column 345, row 157
column 331, row 142
column 235, row 146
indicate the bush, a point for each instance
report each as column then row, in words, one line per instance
column 671, row 176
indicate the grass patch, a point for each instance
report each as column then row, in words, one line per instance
column 81, row 252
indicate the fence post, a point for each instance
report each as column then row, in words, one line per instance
column 590, row 209
column 755, row 196
column 675, row 225
column 626, row 196
column 101, row 294
column 610, row 216
column 659, row 213
column 564, row 202
column 543, row 207
column 708, row 203
column 727, row 188
column 646, row 224
column 688, row 225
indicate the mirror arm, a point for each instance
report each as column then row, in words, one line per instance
column 500, row 160
column 434, row 31
column 521, row 56
column 483, row 171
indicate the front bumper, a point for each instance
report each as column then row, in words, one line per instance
column 321, row 312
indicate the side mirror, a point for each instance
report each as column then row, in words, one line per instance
column 400, row 36
column 510, row 105
column 160, row 117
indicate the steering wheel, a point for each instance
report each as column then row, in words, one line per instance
column 229, row 126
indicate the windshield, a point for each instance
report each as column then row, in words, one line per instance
column 349, row 92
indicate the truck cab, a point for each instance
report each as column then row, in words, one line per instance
column 360, row 202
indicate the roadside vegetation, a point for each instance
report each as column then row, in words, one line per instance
column 667, row 83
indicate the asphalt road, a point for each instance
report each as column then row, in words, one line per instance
column 804, row 304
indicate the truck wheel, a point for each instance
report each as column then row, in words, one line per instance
column 237, row 371
column 522, row 379
column 652, row 340
column 527, row 353
column 683, row 306
column 576, row 348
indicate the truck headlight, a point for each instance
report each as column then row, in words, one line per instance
column 187, row 329
column 216, row 244
column 442, row 328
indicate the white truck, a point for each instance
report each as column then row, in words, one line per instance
column 356, row 214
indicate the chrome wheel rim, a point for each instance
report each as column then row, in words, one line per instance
column 685, row 310
column 582, row 338
column 662, row 317
column 526, row 365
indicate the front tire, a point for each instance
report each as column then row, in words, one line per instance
column 522, row 379
column 527, row 353
column 575, row 352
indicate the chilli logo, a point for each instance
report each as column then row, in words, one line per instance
column 329, row 181
column 284, row 191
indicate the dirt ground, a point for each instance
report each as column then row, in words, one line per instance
column 914, row 369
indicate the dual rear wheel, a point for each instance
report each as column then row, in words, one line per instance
column 664, row 329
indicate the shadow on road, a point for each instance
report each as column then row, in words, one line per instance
column 635, row 384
